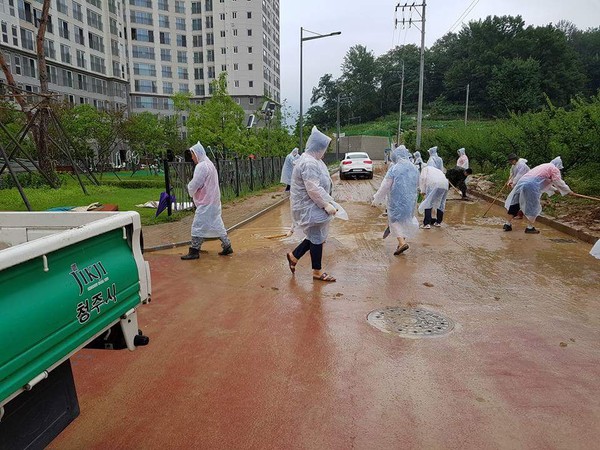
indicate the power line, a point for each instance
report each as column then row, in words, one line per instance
column 463, row 16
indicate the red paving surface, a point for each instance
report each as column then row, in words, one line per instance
column 244, row 355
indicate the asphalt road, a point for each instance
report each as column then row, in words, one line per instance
column 245, row 355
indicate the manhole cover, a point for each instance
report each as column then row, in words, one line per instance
column 563, row 241
column 410, row 322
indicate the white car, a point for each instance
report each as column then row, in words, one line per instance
column 356, row 164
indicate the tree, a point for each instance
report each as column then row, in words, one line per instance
column 359, row 81
column 515, row 85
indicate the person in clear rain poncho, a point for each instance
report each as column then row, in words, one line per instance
column 400, row 188
column 463, row 159
column 434, row 160
column 204, row 189
column 434, row 185
column 311, row 203
column 526, row 194
column 288, row 167
column 418, row 161
column 518, row 169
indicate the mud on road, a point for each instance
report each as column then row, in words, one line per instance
column 245, row 355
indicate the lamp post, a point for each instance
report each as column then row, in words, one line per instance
column 302, row 39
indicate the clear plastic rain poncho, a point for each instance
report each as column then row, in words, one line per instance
column 434, row 160
column 394, row 157
column 595, row 251
column 463, row 159
column 288, row 166
column 204, row 189
column 528, row 191
column 434, row 184
column 518, row 170
column 310, row 190
column 418, row 161
column 400, row 188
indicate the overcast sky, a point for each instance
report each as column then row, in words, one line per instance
column 371, row 23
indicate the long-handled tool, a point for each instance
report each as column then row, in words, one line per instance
column 494, row 201
column 585, row 196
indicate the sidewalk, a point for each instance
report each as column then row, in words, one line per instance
column 167, row 235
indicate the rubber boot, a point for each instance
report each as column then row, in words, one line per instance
column 226, row 251
column 193, row 253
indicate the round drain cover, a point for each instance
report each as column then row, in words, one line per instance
column 410, row 322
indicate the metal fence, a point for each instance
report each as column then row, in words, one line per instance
column 237, row 176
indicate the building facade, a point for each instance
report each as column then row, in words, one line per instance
column 138, row 53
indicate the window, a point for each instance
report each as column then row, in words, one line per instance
column 165, row 54
column 198, row 74
column 182, row 73
column 200, row 89
column 94, row 19
column 163, row 5
column 250, row 32
column 251, row 100
column 167, row 87
column 144, row 69
column 77, row 12
column 208, row 5
column 234, row 15
column 184, row 87
column 222, row 16
column 143, row 3
column 167, row 72
column 235, row 49
column 180, row 23
column 196, row 7
column 235, row 32
column 61, row 6
column 63, row 29
column 80, row 57
column 179, row 7
column 236, row 66
column 210, row 39
column 181, row 40
column 163, row 21
column 26, row 39
column 65, row 53
column 18, row 65
column 197, row 41
column 165, row 37
column 49, row 49
column 222, row 34
column 143, row 18
column 15, row 38
column 181, row 56
column 114, row 47
column 112, row 24
column 25, row 11
column 196, row 24
column 236, row 83
column 209, row 21
column 223, row 51
column 96, row 42
column 141, row 34
column 211, row 72
column 250, row 83
column 223, row 67
column 82, row 82
column 145, row 86
column 141, row 51
column 210, row 55
column 52, row 74
column 250, row 67
column 97, row 3
column 4, row 32
column 198, row 57
column 79, row 35
column 249, row 14
column 249, row 49
column 97, row 64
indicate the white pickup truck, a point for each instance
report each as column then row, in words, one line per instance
column 67, row 280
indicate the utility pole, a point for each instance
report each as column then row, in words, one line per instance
column 410, row 21
column 467, row 104
column 337, row 144
column 400, row 110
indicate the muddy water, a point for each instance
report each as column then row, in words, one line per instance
column 245, row 355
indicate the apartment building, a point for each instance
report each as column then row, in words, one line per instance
column 84, row 46
column 140, row 52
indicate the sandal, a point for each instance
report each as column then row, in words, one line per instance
column 401, row 249
column 291, row 263
column 324, row 277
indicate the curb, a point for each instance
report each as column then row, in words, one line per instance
column 563, row 228
column 231, row 228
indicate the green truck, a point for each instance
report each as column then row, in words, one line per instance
column 67, row 280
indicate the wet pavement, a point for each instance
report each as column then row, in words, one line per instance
column 245, row 355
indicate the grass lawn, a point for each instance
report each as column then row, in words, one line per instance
column 70, row 194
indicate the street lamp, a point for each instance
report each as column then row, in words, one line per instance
column 302, row 39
